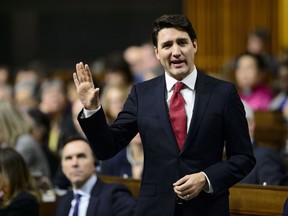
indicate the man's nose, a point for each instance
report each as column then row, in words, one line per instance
column 176, row 50
column 74, row 161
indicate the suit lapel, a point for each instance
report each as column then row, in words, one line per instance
column 94, row 200
column 203, row 92
column 164, row 116
column 66, row 203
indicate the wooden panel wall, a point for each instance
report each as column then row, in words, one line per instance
column 222, row 27
column 283, row 23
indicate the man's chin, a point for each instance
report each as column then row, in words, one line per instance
column 76, row 180
column 179, row 73
column 77, row 183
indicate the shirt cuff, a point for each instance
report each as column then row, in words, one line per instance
column 88, row 113
column 208, row 189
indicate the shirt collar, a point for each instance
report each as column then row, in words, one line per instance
column 189, row 80
column 87, row 187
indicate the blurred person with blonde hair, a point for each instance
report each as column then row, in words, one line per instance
column 18, row 193
column 113, row 98
column 5, row 91
column 15, row 132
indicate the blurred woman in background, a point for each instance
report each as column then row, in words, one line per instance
column 15, row 132
column 18, row 194
column 251, row 78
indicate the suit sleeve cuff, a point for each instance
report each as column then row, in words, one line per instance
column 208, row 187
column 87, row 113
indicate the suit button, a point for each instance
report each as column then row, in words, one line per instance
column 180, row 159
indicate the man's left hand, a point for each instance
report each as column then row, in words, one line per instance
column 190, row 186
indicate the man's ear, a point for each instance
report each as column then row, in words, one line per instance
column 156, row 52
column 194, row 43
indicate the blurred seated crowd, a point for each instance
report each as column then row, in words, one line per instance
column 39, row 109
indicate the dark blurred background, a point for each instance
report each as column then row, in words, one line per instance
column 61, row 33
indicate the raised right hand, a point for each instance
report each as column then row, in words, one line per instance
column 88, row 94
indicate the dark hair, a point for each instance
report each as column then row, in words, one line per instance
column 177, row 21
column 72, row 138
column 16, row 172
column 260, row 33
column 115, row 63
column 260, row 62
column 41, row 120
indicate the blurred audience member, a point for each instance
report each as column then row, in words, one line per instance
column 53, row 103
column 26, row 95
column 269, row 168
column 5, row 77
column 133, row 56
column 6, row 92
column 71, row 92
column 281, row 99
column 89, row 194
column 18, row 193
column 112, row 100
column 117, row 70
column 15, row 132
column 251, row 79
column 40, row 131
column 151, row 66
column 143, row 62
column 257, row 43
column 128, row 162
column 26, row 74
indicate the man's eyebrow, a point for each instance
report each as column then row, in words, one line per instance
column 81, row 154
column 166, row 42
column 182, row 39
column 177, row 39
column 67, row 156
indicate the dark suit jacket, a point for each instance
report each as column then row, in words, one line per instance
column 218, row 119
column 269, row 167
column 23, row 204
column 105, row 200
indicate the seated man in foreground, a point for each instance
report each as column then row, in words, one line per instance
column 89, row 195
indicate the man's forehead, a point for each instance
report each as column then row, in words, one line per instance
column 76, row 147
column 172, row 34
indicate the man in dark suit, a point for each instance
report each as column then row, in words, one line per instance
column 184, row 173
column 95, row 197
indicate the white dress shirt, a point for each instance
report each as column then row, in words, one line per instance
column 188, row 92
column 85, row 192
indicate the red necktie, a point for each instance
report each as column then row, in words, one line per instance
column 178, row 116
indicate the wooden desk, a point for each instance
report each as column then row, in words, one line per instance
column 245, row 200
column 251, row 200
column 271, row 129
